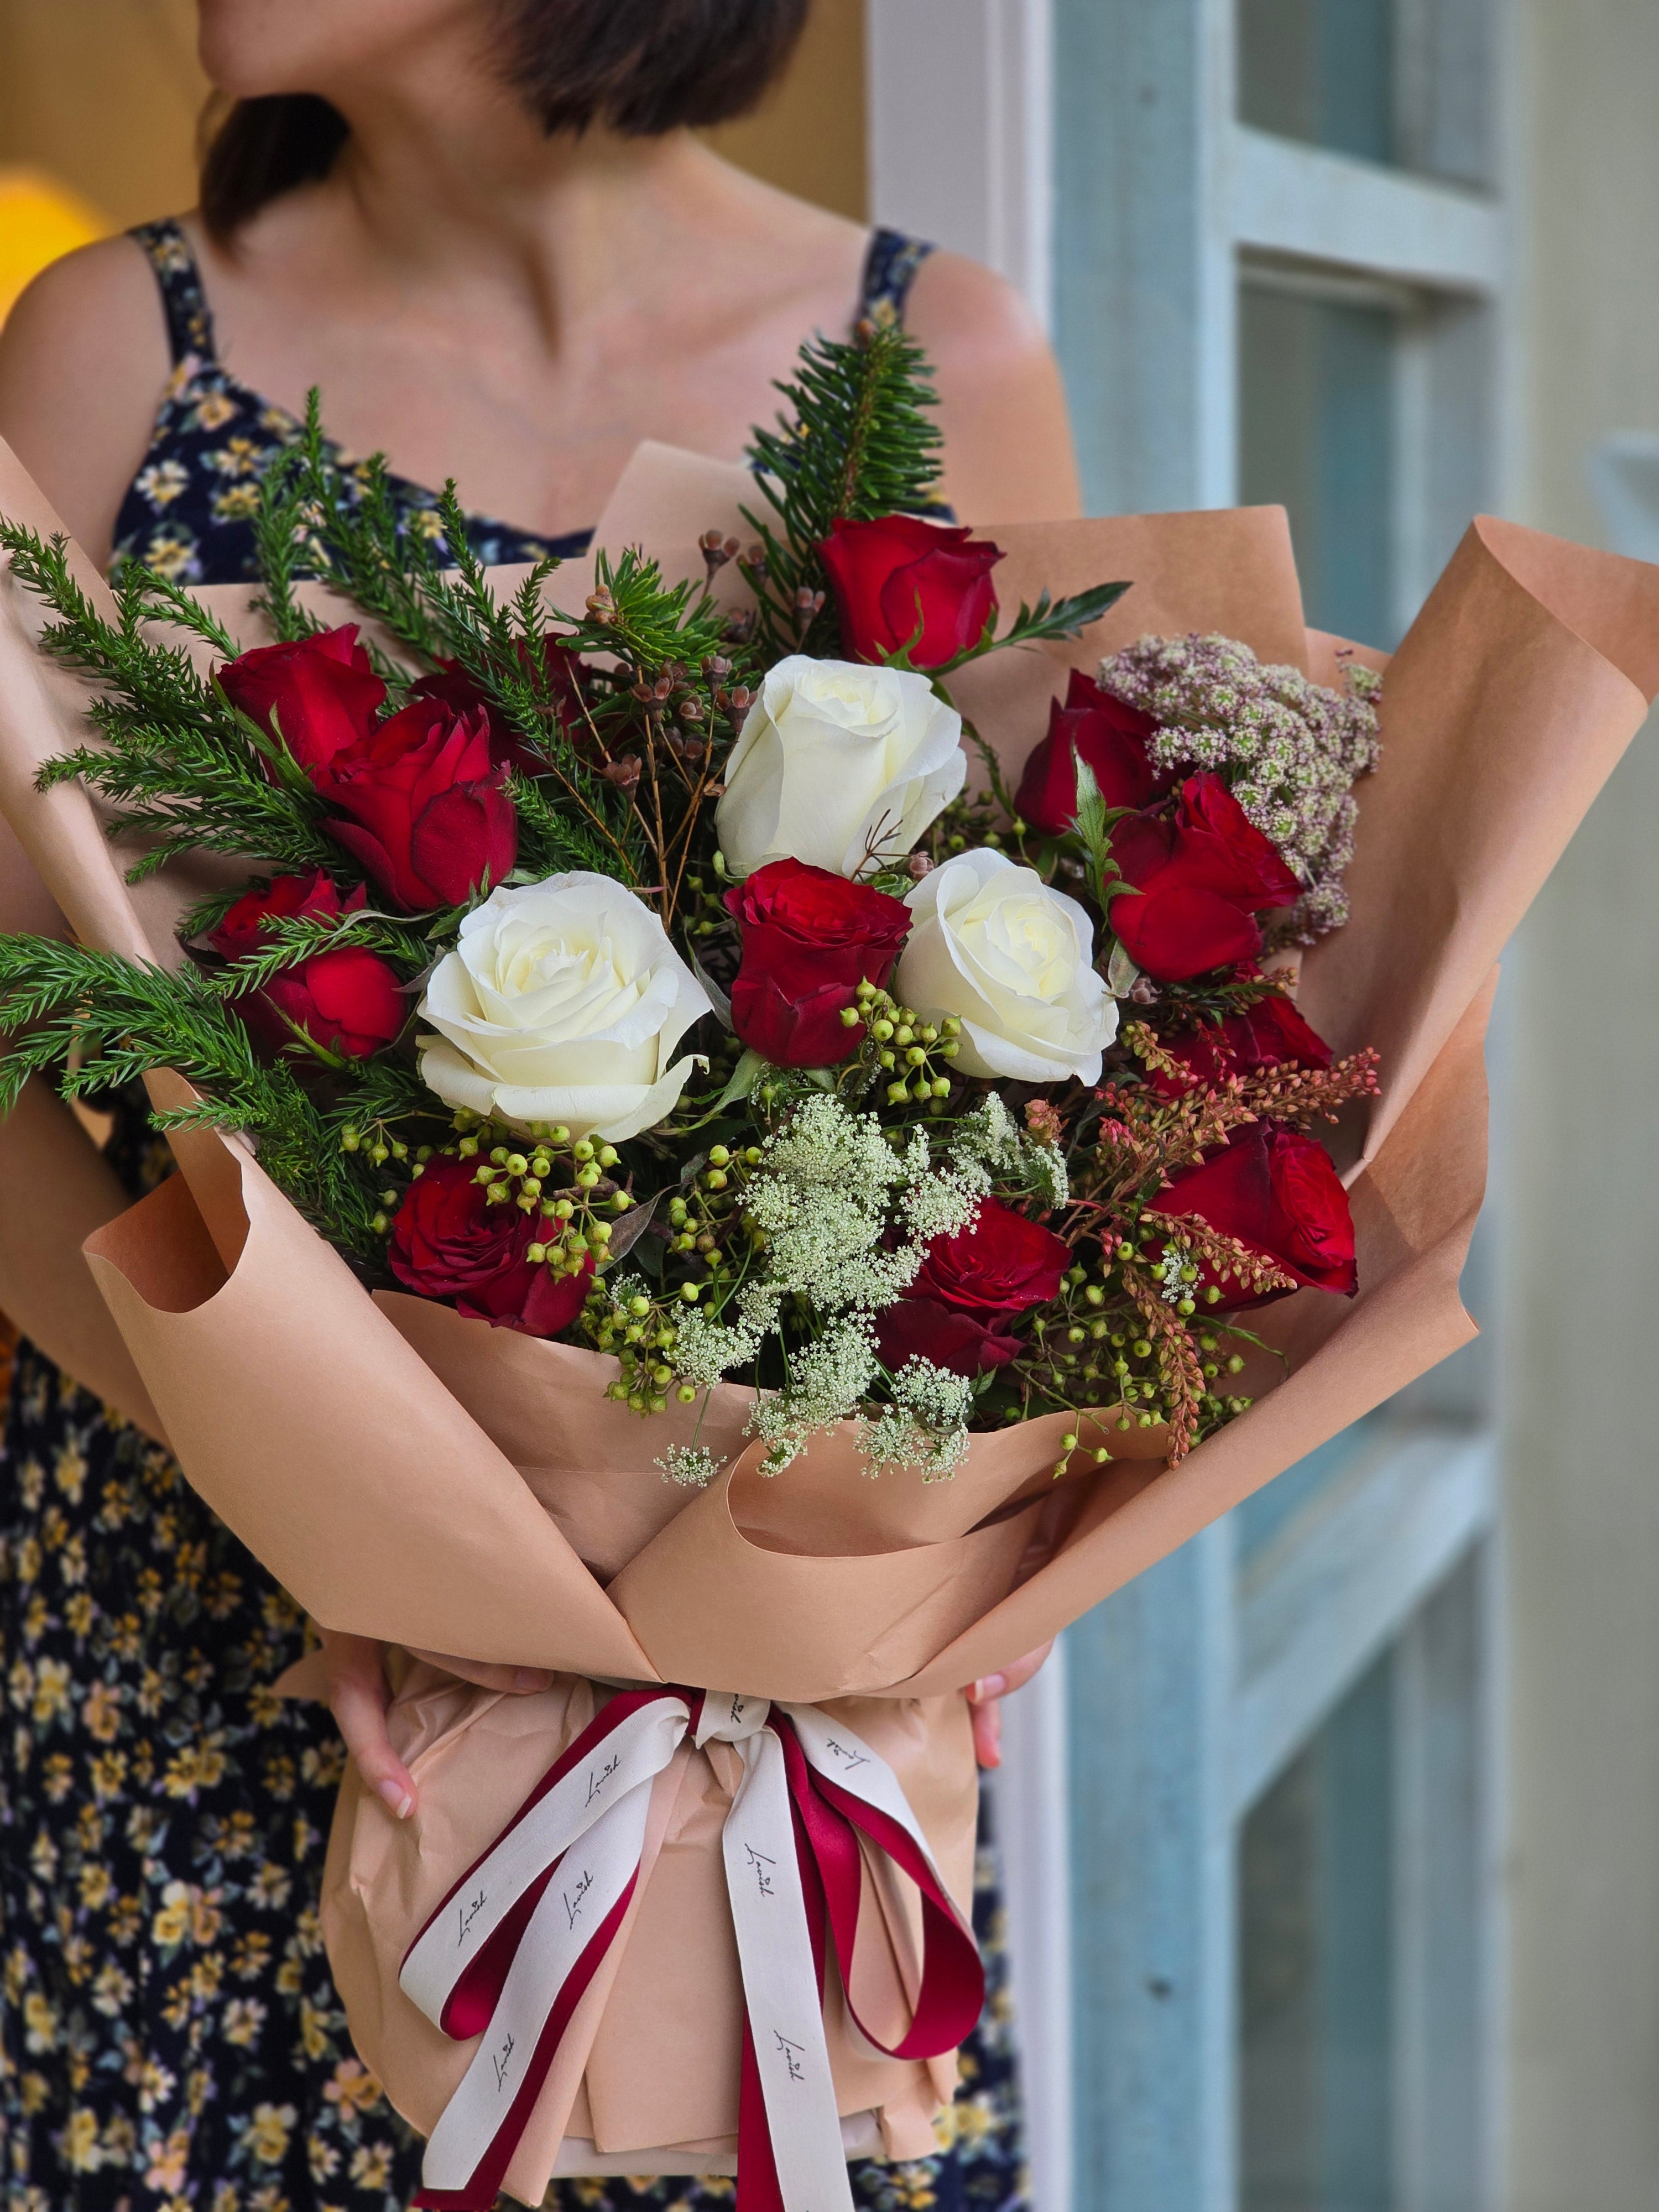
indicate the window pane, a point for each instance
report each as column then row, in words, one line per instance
column 1315, row 1883
column 1316, row 436
column 1321, row 71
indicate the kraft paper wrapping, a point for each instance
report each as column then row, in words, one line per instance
column 424, row 1478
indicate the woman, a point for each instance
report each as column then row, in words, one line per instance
column 484, row 229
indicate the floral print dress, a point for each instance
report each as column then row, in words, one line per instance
column 170, row 2038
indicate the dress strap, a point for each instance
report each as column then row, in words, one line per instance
column 190, row 322
column 889, row 269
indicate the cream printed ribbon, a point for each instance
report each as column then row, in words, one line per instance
column 507, row 1955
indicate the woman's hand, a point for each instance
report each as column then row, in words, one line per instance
column 984, row 1699
column 358, row 1696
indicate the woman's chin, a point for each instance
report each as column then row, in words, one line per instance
column 251, row 49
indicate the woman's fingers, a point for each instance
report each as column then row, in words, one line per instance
column 358, row 1698
column 986, row 1718
column 984, row 1702
column 1021, row 1672
column 511, row 1681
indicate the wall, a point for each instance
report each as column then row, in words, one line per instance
column 809, row 138
column 1583, row 1499
column 105, row 95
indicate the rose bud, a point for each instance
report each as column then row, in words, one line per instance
column 450, row 683
column 1201, row 871
column 837, row 763
column 899, row 575
column 970, row 1289
column 1111, row 736
column 1270, row 1034
column 448, row 1242
column 420, row 807
column 810, row 937
column 318, row 695
column 1014, row 960
column 1277, row 1192
column 346, row 998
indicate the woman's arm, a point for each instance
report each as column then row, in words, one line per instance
column 56, row 1189
column 1008, row 455
column 83, row 364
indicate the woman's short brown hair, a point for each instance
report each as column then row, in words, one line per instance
column 641, row 67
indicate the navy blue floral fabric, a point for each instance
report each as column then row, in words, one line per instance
column 170, row 2038
column 188, row 513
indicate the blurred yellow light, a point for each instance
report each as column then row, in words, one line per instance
column 39, row 221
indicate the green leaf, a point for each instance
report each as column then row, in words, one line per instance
column 743, row 1078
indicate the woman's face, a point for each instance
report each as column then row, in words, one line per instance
column 252, row 47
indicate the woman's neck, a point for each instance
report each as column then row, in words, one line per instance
column 471, row 186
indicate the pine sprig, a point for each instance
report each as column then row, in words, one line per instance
column 180, row 768
column 319, row 519
column 857, row 444
column 292, row 939
column 94, row 1022
column 147, row 679
column 556, row 838
column 181, row 789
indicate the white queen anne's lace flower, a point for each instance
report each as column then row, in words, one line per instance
column 1014, row 961
column 927, row 1425
column 837, row 763
column 562, row 1002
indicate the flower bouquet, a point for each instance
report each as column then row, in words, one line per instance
column 655, row 1044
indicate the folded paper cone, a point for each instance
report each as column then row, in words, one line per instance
column 415, row 1476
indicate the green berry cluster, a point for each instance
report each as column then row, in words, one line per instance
column 566, row 1182
column 913, row 1053
column 709, row 1243
column 640, row 1332
column 1090, row 1347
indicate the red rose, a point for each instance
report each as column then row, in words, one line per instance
column 319, row 695
column 1276, row 1191
column 451, row 683
column 424, row 811
column 1201, row 873
column 348, row 1000
column 449, row 1241
column 900, row 575
column 809, row 939
column 970, row 1289
column 1106, row 732
column 1265, row 1034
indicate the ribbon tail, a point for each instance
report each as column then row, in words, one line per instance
column 788, row 2091
column 758, row 2187
column 575, row 1922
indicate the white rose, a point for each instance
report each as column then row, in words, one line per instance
column 1014, row 962
column 838, row 762
column 562, row 1002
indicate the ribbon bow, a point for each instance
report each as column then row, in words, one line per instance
column 508, row 1953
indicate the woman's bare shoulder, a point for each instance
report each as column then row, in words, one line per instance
column 83, row 364
column 1009, row 456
